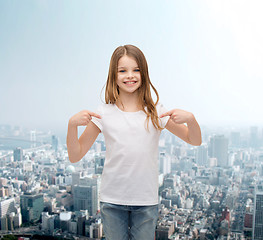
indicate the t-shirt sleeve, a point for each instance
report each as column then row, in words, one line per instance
column 97, row 121
column 161, row 110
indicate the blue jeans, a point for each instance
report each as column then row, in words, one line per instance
column 122, row 222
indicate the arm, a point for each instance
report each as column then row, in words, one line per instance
column 190, row 133
column 77, row 148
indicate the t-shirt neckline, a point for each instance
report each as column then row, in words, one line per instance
column 126, row 112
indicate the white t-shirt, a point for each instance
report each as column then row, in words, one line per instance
column 130, row 174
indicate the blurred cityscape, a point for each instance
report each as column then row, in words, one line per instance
column 214, row 191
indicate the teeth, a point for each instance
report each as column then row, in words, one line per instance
column 131, row 82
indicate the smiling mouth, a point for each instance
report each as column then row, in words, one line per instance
column 130, row 82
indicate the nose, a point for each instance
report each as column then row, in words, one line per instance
column 130, row 74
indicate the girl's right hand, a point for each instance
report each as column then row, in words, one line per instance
column 82, row 118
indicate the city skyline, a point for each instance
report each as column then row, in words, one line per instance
column 203, row 57
column 207, row 191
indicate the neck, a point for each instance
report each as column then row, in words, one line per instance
column 128, row 102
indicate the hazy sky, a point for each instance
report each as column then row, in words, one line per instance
column 204, row 56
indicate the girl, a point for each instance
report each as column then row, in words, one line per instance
column 131, row 123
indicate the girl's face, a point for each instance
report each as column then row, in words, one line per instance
column 128, row 75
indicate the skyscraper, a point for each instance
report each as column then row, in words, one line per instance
column 99, row 164
column 32, row 206
column 219, row 149
column 202, row 155
column 164, row 163
column 258, row 214
column 253, row 137
column 7, row 206
column 54, row 142
column 75, row 178
column 85, row 197
column 18, row 154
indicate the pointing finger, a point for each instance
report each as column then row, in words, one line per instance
column 169, row 113
column 94, row 115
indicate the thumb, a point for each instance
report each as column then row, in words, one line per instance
column 169, row 113
column 94, row 115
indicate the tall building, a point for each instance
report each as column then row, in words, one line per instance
column 248, row 224
column 32, row 206
column 81, row 219
column 47, row 222
column 85, row 197
column 10, row 216
column 75, row 178
column 253, row 137
column 164, row 163
column 4, row 223
column 202, row 155
column 18, row 154
column 258, row 215
column 226, row 215
column 65, row 218
column 7, row 206
column 164, row 230
column 218, row 148
column 54, row 142
column 99, row 164
column 95, row 230
column 94, row 180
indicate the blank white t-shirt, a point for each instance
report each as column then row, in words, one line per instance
column 130, row 174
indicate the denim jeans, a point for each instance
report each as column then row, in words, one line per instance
column 123, row 222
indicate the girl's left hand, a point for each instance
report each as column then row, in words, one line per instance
column 178, row 116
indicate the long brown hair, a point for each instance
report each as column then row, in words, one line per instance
column 145, row 98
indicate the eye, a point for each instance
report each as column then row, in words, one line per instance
column 122, row 71
column 137, row 70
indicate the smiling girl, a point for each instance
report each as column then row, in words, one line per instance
column 131, row 123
